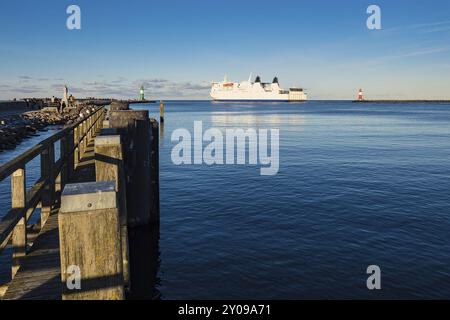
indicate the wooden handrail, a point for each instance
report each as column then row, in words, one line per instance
column 8, row 168
column 43, row 191
column 14, row 215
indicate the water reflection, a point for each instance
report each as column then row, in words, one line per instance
column 161, row 133
column 255, row 119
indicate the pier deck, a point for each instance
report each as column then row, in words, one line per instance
column 91, row 218
column 39, row 276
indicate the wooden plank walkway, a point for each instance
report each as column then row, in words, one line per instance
column 39, row 276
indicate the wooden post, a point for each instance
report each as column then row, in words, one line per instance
column 19, row 237
column 89, row 128
column 154, row 200
column 81, row 139
column 109, row 167
column 116, row 106
column 161, row 111
column 61, row 178
column 101, row 119
column 69, row 156
column 64, row 151
column 85, row 139
column 47, row 167
column 58, row 185
column 134, row 127
column 80, row 136
column 161, row 133
column 76, row 141
column 89, row 233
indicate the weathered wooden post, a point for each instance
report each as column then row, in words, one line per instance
column 89, row 126
column 161, row 133
column 89, row 233
column 154, row 200
column 134, row 127
column 85, row 138
column 136, row 131
column 62, row 175
column 81, row 139
column 161, row 111
column 19, row 237
column 103, row 119
column 119, row 106
column 64, row 152
column 76, row 141
column 109, row 167
column 47, row 166
column 70, row 157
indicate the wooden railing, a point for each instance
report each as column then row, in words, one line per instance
column 46, row 192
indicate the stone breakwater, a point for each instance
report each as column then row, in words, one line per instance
column 15, row 128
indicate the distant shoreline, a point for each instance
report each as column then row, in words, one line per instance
column 20, row 106
column 402, row 101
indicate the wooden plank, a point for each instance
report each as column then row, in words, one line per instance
column 39, row 275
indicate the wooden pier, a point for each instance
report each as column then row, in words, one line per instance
column 99, row 211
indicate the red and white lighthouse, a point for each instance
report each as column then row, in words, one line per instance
column 360, row 95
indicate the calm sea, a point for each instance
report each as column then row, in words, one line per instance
column 358, row 185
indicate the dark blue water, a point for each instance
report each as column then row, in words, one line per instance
column 358, row 185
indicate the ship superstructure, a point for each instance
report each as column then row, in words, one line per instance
column 255, row 91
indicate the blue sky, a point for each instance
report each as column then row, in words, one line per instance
column 176, row 48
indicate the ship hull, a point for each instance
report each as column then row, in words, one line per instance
column 251, row 100
column 269, row 98
column 238, row 96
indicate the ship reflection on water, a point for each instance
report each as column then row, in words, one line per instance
column 260, row 119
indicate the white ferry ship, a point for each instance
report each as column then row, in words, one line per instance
column 255, row 91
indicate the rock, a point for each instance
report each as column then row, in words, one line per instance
column 14, row 129
column 50, row 109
